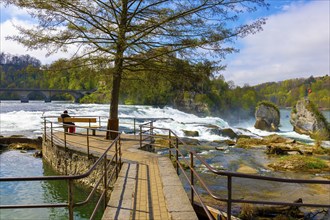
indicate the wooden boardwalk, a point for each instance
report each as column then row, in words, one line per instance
column 147, row 188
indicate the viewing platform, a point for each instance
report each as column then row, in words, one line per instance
column 147, row 186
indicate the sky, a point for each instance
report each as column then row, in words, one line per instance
column 294, row 43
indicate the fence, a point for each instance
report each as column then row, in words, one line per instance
column 147, row 136
column 111, row 167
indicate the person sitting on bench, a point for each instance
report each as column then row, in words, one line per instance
column 66, row 115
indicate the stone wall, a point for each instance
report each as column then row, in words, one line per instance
column 72, row 162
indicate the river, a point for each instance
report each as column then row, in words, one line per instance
column 25, row 118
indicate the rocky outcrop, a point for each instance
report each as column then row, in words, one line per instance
column 227, row 132
column 267, row 117
column 307, row 119
column 191, row 133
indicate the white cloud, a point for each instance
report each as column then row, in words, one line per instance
column 294, row 43
column 11, row 11
column 9, row 46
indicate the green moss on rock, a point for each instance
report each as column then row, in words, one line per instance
column 270, row 104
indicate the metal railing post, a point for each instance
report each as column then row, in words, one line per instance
column 177, row 155
column 151, row 128
column 70, row 199
column 45, row 130
column 134, row 126
column 169, row 139
column 51, row 134
column 116, row 149
column 229, row 186
column 169, row 144
column 192, row 177
column 119, row 152
column 105, row 181
column 64, row 139
column 87, row 142
column 140, row 136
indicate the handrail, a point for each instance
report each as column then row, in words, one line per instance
column 133, row 124
column 107, row 176
column 172, row 137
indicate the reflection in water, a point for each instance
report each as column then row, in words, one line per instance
column 13, row 164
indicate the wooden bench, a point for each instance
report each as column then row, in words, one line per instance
column 81, row 120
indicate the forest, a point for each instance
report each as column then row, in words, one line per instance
column 196, row 88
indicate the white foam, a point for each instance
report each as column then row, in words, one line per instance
column 17, row 117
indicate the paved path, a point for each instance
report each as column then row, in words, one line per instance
column 147, row 187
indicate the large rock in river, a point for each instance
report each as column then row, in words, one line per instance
column 267, row 117
column 307, row 119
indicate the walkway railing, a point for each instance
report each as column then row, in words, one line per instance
column 127, row 124
column 109, row 171
column 147, row 136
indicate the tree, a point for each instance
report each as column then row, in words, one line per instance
column 123, row 32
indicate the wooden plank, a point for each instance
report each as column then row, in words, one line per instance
column 92, row 126
column 86, row 120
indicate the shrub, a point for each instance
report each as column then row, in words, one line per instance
column 313, row 108
column 269, row 104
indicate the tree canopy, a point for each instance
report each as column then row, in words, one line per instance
column 127, row 34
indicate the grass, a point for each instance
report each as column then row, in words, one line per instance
column 300, row 163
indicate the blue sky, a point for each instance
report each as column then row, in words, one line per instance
column 295, row 42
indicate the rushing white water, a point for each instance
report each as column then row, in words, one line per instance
column 25, row 118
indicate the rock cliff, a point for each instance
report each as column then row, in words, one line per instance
column 267, row 117
column 306, row 119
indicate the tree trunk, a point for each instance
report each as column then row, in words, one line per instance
column 113, row 122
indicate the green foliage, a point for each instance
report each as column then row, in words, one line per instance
column 320, row 136
column 287, row 92
column 26, row 72
column 312, row 107
column 269, row 104
column 315, row 164
column 303, row 163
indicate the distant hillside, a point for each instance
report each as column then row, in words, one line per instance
column 287, row 92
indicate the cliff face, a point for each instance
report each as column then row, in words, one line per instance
column 306, row 119
column 267, row 118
